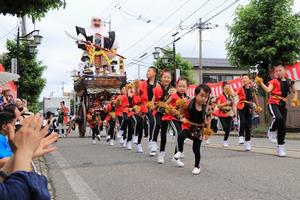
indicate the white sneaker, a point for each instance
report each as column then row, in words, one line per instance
column 135, row 139
column 128, row 145
column 120, row 134
column 108, row 138
column 150, row 145
column 123, row 145
column 272, row 135
column 248, row 146
column 196, row 171
column 152, row 148
column 207, row 142
column 121, row 141
column 98, row 137
column 225, row 143
column 281, row 151
column 241, row 140
column 111, row 142
column 177, row 162
column 177, row 155
column 161, row 157
column 139, row 148
column 182, row 155
column 94, row 141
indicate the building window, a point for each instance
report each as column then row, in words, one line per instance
column 216, row 78
column 225, row 77
column 210, row 79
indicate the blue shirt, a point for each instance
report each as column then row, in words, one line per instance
column 5, row 150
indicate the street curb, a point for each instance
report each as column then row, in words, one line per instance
column 41, row 167
column 289, row 136
column 256, row 149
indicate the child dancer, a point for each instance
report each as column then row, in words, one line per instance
column 248, row 102
column 172, row 117
column 194, row 121
column 161, row 93
column 94, row 122
column 225, row 111
column 146, row 93
column 279, row 89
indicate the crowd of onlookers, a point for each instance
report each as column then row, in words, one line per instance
column 23, row 137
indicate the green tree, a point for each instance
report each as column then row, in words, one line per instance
column 185, row 66
column 34, row 9
column 31, row 82
column 264, row 34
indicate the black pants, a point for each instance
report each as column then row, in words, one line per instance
column 226, row 124
column 137, row 123
column 158, row 125
column 95, row 131
column 278, row 113
column 130, row 126
column 214, row 124
column 176, row 127
column 111, row 128
column 245, row 116
column 196, row 145
column 123, row 121
column 150, row 124
column 145, row 127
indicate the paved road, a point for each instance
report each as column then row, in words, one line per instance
column 80, row 170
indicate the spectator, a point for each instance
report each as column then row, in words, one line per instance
column 7, row 97
column 62, row 119
column 6, row 119
column 19, row 181
column 25, row 106
column 12, row 108
column 50, row 122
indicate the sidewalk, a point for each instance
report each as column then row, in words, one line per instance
column 289, row 135
column 259, row 145
column 41, row 168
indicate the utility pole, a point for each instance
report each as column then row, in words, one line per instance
column 202, row 26
column 109, row 23
column 63, row 88
column 200, row 52
column 174, row 57
column 139, row 71
column 139, row 65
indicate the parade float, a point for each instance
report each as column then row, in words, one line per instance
column 100, row 72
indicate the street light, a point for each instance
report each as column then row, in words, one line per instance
column 156, row 54
column 164, row 59
column 37, row 39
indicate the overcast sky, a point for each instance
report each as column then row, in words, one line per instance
column 61, row 55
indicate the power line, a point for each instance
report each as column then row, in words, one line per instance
column 223, row 10
column 137, row 17
column 8, row 33
column 196, row 26
column 109, row 5
column 115, row 7
column 149, row 33
column 177, row 27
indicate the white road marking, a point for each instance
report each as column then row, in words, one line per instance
column 80, row 188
